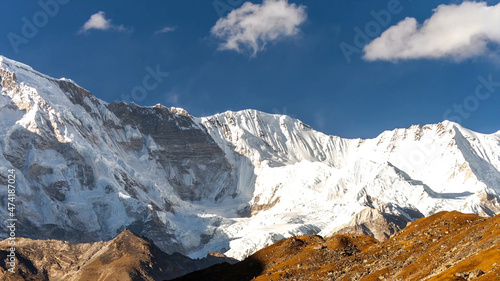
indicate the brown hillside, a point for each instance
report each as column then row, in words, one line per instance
column 127, row 257
column 444, row 246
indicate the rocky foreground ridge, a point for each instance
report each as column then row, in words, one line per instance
column 444, row 246
column 126, row 257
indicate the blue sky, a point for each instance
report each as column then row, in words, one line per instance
column 299, row 58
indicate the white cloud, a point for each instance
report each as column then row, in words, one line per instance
column 252, row 26
column 453, row 31
column 98, row 21
column 166, row 29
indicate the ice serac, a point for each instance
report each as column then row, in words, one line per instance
column 233, row 182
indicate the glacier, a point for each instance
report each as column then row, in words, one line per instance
column 233, row 182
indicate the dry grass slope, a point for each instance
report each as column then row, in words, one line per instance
column 444, row 246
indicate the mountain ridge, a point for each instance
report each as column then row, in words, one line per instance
column 125, row 257
column 443, row 246
column 233, row 182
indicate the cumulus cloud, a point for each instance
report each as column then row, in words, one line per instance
column 166, row 29
column 98, row 21
column 252, row 26
column 453, row 31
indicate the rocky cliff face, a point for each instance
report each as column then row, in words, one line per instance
column 87, row 169
column 376, row 220
column 194, row 164
column 234, row 182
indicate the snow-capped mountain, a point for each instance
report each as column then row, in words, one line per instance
column 233, row 182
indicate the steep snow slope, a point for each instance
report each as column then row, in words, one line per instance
column 306, row 181
column 233, row 182
column 84, row 174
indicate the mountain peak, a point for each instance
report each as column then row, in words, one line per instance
column 42, row 83
column 197, row 185
column 15, row 66
column 447, row 123
column 127, row 234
